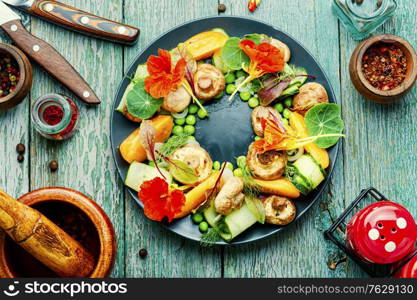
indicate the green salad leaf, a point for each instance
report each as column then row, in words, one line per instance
column 140, row 104
column 324, row 118
column 234, row 57
column 257, row 38
column 182, row 172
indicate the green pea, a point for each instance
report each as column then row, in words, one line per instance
column 257, row 138
column 180, row 121
column 240, row 74
column 189, row 129
column 245, row 96
column 279, row 107
column 229, row 165
column 230, row 77
column 151, row 163
column 216, row 165
column 190, row 120
column 238, row 172
column 219, row 95
column 197, row 218
column 285, row 121
column 230, row 88
column 177, row 130
column 286, row 113
column 253, row 102
column 192, row 109
column 288, row 102
column 202, row 113
column 241, row 160
column 191, row 138
column 203, row 226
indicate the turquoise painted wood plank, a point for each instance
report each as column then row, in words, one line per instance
column 381, row 146
column 85, row 161
column 169, row 255
column 14, row 130
column 300, row 251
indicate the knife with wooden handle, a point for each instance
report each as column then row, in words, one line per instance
column 78, row 20
column 45, row 55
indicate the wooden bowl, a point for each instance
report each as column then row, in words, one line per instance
column 364, row 87
column 25, row 82
column 59, row 204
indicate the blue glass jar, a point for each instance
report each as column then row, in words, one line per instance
column 362, row 17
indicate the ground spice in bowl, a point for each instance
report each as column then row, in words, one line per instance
column 384, row 66
column 9, row 74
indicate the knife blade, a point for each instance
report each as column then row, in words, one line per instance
column 78, row 20
column 45, row 55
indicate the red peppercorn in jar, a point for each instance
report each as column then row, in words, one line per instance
column 382, row 233
column 55, row 116
column 9, row 74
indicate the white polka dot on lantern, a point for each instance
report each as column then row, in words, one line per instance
column 373, row 234
column 401, row 223
column 390, row 246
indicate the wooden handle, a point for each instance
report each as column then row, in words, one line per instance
column 43, row 239
column 75, row 19
column 53, row 62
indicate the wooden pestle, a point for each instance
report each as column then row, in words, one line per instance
column 43, row 239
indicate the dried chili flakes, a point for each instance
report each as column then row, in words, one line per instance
column 384, row 66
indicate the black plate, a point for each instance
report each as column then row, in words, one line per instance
column 228, row 132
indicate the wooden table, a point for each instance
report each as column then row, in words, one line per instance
column 380, row 148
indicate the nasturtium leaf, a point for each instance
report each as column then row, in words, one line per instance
column 233, row 56
column 255, row 37
column 140, row 104
column 324, row 118
column 182, row 172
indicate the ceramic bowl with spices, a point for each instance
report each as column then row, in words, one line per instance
column 15, row 76
column 78, row 216
column 383, row 68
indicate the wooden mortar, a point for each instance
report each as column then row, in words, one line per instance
column 59, row 204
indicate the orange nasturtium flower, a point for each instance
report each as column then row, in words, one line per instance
column 264, row 59
column 163, row 77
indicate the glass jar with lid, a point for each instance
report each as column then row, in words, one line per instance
column 55, row 116
column 362, row 17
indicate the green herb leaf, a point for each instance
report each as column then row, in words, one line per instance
column 233, row 56
column 182, row 172
column 256, row 37
column 140, row 104
column 173, row 143
column 324, row 118
column 209, row 238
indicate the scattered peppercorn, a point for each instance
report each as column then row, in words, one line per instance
column 379, row 3
column 20, row 158
column 53, row 165
column 221, row 8
column 20, row 148
column 9, row 75
column 359, row 2
column 143, row 253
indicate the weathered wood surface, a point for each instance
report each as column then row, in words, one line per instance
column 379, row 149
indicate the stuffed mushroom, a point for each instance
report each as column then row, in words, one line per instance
column 208, row 81
column 279, row 210
column 269, row 165
column 283, row 48
column 196, row 158
column 176, row 101
column 230, row 196
column 263, row 112
column 310, row 94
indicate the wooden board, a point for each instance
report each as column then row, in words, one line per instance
column 379, row 149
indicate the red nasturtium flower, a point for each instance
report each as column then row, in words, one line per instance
column 159, row 201
column 163, row 77
column 264, row 59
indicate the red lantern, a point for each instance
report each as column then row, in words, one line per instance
column 383, row 233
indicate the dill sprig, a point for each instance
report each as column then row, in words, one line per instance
column 250, row 188
column 209, row 238
column 173, row 143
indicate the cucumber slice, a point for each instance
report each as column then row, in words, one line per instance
column 256, row 207
column 290, row 91
column 138, row 173
column 211, row 215
column 301, row 184
column 219, row 63
column 141, row 73
column 310, row 170
column 236, row 222
column 220, row 30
